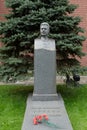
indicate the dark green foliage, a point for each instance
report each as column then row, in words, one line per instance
column 22, row 27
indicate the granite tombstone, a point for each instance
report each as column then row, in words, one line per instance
column 45, row 98
column 44, row 66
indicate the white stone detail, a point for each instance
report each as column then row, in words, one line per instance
column 48, row 44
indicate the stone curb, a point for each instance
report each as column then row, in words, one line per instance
column 59, row 80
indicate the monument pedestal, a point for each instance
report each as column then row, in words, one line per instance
column 54, row 109
column 44, row 70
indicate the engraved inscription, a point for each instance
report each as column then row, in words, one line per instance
column 51, row 112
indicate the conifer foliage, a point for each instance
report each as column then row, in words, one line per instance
column 22, row 27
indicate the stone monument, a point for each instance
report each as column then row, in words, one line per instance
column 44, row 66
column 45, row 98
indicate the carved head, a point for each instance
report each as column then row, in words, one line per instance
column 44, row 29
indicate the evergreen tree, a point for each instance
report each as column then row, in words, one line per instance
column 22, row 27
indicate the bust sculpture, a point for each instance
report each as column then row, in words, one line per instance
column 44, row 30
column 44, row 42
column 44, row 66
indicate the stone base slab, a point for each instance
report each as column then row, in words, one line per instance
column 45, row 97
column 54, row 109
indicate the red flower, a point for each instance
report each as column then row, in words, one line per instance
column 44, row 119
column 35, row 122
column 45, row 116
column 39, row 119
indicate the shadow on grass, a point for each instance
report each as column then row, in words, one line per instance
column 72, row 93
column 22, row 90
column 16, row 90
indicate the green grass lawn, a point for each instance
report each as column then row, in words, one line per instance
column 12, row 106
column 76, row 105
column 13, row 103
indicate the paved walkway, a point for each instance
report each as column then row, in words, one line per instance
column 59, row 80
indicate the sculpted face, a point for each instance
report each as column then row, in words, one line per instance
column 44, row 29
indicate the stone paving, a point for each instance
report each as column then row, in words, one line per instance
column 59, row 80
column 54, row 109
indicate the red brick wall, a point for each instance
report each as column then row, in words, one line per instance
column 81, row 11
column 3, row 10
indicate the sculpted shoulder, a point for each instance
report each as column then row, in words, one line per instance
column 49, row 39
column 47, row 44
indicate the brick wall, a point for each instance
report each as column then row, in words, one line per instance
column 3, row 10
column 81, row 11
